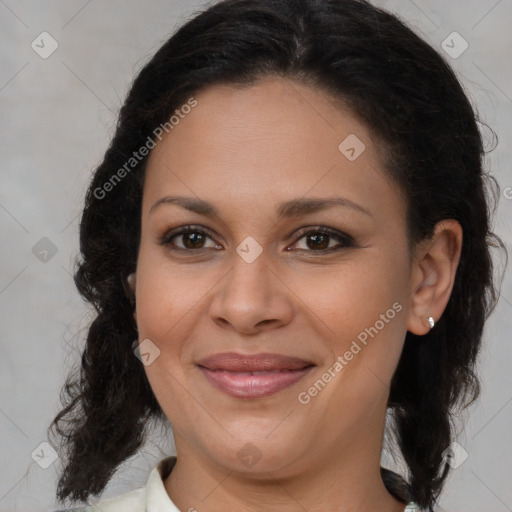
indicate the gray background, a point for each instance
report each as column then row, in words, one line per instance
column 58, row 115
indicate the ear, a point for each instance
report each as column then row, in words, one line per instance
column 131, row 279
column 433, row 274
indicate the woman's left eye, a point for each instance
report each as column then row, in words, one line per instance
column 317, row 240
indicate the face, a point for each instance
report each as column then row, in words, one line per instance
column 326, row 284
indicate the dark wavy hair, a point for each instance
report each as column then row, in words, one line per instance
column 410, row 98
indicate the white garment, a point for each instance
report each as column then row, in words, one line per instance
column 154, row 497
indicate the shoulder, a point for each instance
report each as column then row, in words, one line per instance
column 153, row 495
column 133, row 501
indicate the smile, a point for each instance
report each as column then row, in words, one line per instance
column 255, row 383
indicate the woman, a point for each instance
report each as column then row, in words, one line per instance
column 291, row 220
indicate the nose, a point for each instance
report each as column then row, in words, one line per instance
column 252, row 296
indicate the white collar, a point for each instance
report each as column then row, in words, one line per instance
column 157, row 499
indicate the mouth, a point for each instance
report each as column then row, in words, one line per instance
column 252, row 376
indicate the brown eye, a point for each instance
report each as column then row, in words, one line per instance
column 190, row 238
column 319, row 239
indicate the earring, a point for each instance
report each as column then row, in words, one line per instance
column 430, row 321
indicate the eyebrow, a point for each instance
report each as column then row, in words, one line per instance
column 288, row 209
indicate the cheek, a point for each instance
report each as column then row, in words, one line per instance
column 362, row 316
column 363, row 323
column 161, row 302
column 167, row 292
column 353, row 295
column 165, row 308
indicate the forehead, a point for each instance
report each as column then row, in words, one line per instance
column 268, row 142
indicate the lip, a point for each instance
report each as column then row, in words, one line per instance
column 255, row 375
column 235, row 362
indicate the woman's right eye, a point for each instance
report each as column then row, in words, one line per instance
column 191, row 237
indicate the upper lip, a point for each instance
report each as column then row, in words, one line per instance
column 235, row 362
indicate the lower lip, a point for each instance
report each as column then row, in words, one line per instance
column 247, row 385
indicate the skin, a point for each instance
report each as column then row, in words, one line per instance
column 246, row 151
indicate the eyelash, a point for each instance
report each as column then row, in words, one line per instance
column 345, row 240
